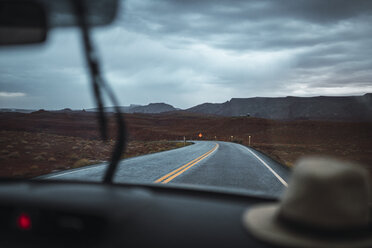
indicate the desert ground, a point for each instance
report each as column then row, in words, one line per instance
column 42, row 142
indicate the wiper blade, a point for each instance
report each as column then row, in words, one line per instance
column 99, row 85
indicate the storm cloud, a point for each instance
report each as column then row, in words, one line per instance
column 188, row 52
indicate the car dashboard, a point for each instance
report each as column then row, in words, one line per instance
column 74, row 214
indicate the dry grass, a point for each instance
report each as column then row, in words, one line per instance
column 52, row 152
column 14, row 155
column 288, row 154
column 73, row 136
column 82, row 162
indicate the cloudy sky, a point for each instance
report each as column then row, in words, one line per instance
column 189, row 52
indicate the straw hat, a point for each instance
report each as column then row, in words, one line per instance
column 325, row 205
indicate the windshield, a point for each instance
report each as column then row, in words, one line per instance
column 220, row 94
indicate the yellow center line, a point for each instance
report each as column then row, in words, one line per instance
column 170, row 176
column 185, row 169
column 175, row 171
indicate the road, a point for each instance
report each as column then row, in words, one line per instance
column 206, row 163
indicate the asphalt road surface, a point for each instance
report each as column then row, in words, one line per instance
column 206, row 163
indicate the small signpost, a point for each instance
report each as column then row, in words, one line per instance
column 249, row 140
column 184, row 140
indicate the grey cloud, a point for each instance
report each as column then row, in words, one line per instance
column 188, row 52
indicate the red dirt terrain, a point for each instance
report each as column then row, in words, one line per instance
column 74, row 136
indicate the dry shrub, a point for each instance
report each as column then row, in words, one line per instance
column 87, row 147
column 82, row 162
column 14, row 155
column 74, row 156
column 46, row 145
column 39, row 158
column 4, row 151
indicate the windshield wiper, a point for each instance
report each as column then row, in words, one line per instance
column 100, row 85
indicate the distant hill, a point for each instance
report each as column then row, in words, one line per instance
column 124, row 109
column 17, row 110
column 332, row 108
column 343, row 108
column 152, row 108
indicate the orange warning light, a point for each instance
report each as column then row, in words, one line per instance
column 200, row 135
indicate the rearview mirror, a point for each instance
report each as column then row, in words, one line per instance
column 22, row 22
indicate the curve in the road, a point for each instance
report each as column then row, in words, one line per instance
column 219, row 164
column 240, row 167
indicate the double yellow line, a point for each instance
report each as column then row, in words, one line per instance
column 170, row 176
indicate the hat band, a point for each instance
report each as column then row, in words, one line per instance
column 323, row 233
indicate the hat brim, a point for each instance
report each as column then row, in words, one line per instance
column 262, row 223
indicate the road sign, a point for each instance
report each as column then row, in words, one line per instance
column 200, row 135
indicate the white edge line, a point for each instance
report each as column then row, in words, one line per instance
column 270, row 169
column 74, row 171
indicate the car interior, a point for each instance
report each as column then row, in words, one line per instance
column 47, row 213
column 73, row 213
